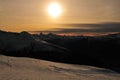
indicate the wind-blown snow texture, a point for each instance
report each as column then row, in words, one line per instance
column 12, row 68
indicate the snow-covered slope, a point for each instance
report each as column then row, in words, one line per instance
column 12, row 68
column 20, row 41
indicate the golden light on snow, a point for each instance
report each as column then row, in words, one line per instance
column 54, row 10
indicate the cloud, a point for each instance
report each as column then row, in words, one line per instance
column 85, row 28
column 103, row 27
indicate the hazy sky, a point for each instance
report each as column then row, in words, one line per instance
column 30, row 15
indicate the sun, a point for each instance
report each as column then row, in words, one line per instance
column 54, row 10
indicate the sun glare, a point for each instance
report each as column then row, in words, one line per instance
column 54, row 10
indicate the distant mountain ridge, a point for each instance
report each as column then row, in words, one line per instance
column 24, row 41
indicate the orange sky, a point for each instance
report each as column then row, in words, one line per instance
column 31, row 15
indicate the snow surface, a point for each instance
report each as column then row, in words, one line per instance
column 14, row 68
